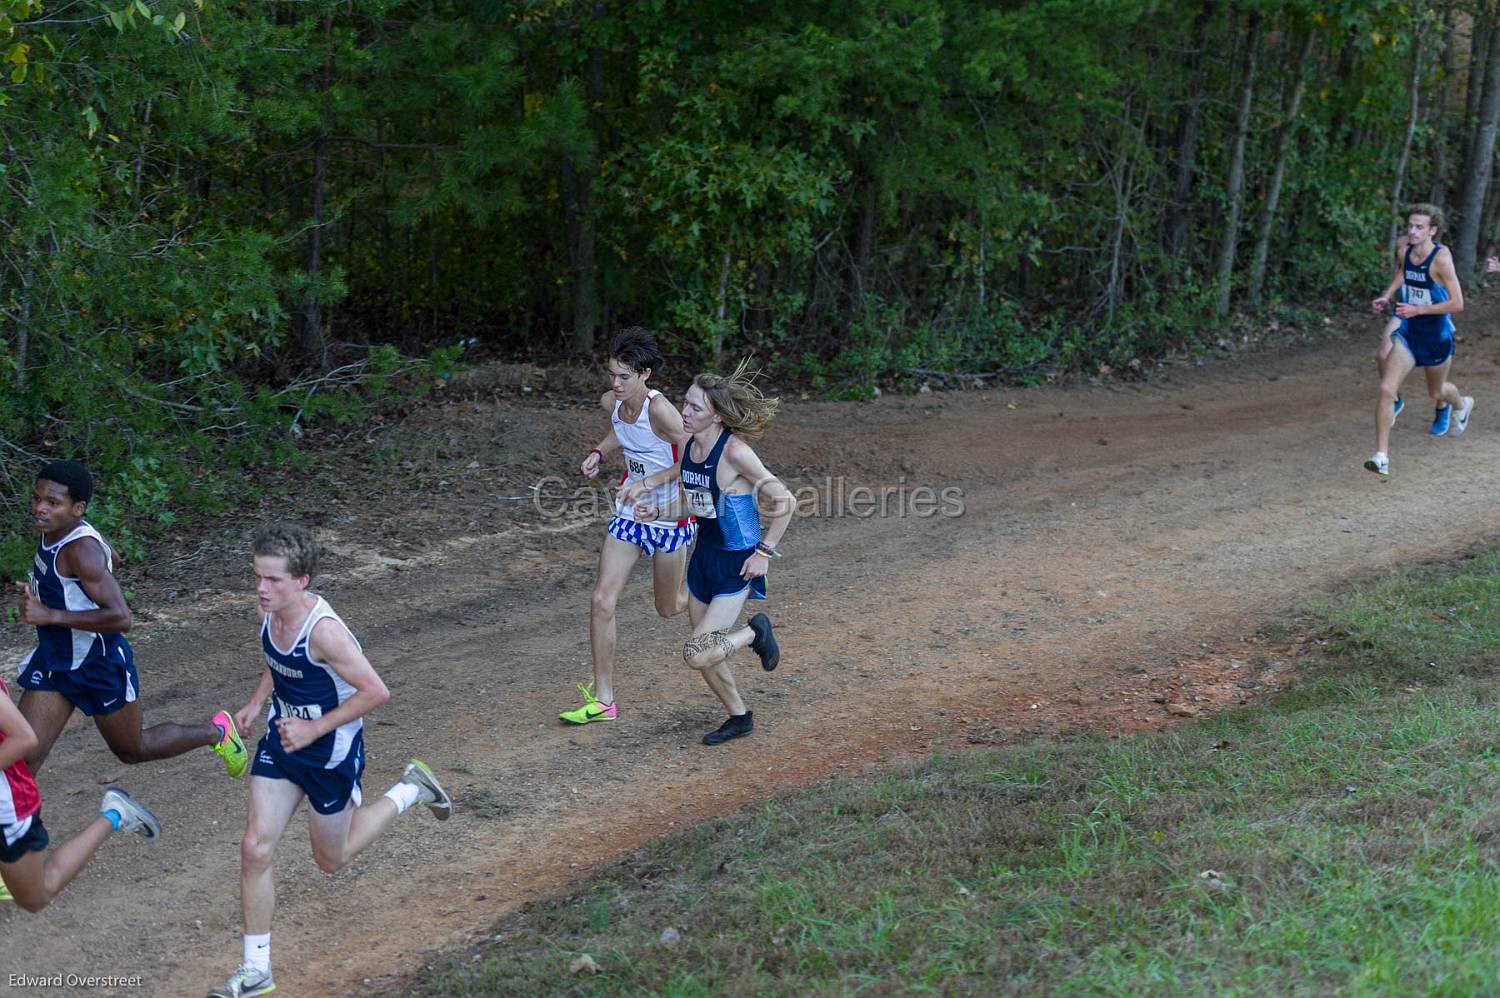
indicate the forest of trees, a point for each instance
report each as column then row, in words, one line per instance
column 212, row 208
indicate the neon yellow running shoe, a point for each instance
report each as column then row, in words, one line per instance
column 592, row 709
column 5, row 896
column 231, row 747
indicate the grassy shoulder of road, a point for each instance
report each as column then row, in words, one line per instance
column 1342, row 836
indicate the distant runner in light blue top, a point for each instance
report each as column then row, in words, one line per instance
column 1430, row 294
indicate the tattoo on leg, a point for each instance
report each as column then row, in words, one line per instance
column 700, row 644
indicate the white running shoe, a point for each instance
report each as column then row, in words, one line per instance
column 1380, row 464
column 1460, row 421
column 419, row 775
column 247, row 982
column 133, row 815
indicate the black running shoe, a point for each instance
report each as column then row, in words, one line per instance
column 737, row 726
column 764, row 643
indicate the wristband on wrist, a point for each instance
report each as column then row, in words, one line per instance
column 595, row 450
column 767, row 550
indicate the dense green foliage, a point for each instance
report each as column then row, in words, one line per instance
column 1338, row 838
column 206, row 206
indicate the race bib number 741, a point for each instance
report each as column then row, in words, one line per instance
column 701, row 502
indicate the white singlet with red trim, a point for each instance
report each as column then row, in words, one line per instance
column 645, row 455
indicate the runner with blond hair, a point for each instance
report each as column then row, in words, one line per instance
column 722, row 481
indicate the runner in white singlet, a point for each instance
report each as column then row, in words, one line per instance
column 647, row 430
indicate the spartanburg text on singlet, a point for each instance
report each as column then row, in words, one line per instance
column 306, row 688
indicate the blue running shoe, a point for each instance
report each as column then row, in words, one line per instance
column 1396, row 411
column 1440, row 420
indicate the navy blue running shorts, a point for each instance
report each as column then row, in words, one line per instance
column 1427, row 351
column 329, row 791
column 97, row 688
column 713, row 572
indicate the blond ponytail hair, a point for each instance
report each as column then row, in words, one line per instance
column 744, row 408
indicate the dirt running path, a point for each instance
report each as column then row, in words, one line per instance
column 1114, row 546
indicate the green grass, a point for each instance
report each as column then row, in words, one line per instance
column 1354, row 822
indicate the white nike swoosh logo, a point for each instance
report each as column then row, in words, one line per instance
column 108, row 702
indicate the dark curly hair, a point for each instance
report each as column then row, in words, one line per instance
column 636, row 348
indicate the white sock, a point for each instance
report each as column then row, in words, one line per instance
column 258, row 952
column 404, row 795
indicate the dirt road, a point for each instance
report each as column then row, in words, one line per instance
column 1116, row 545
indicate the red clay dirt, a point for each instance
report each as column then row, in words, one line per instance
column 1116, row 546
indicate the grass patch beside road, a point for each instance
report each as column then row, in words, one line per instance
column 1352, row 825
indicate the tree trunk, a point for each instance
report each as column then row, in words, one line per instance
column 1479, row 33
column 1175, row 225
column 567, row 185
column 864, row 241
column 1477, row 170
column 1486, row 244
column 983, row 260
column 1413, row 111
column 585, row 261
column 1234, row 187
column 1437, row 104
column 23, row 328
column 140, row 155
column 387, row 265
column 1123, row 179
column 314, row 346
column 432, row 254
column 1122, row 185
column 578, row 211
column 1278, row 174
column 722, row 312
column 1344, row 74
column 758, row 315
column 585, row 268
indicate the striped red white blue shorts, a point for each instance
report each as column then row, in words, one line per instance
column 651, row 538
